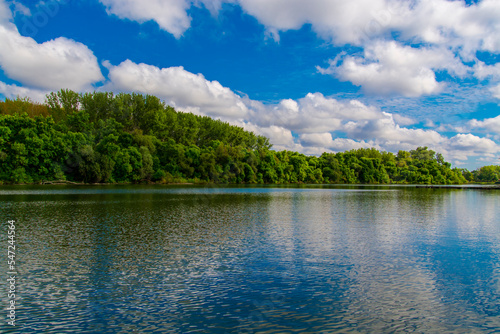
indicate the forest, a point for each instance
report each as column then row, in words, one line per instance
column 102, row 137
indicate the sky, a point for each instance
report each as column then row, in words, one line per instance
column 313, row 76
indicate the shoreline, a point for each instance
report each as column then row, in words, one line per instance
column 458, row 186
column 489, row 186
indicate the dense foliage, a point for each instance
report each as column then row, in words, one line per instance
column 102, row 137
column 484, row 174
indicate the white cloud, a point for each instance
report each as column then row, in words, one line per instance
column 403, row 120
column 463, row 146
column 490, row 124
column 455, row 24
column 55, row 64
column 278, row 136
column 178, row 87
column 451, row 30
column 384, row 134
column 290, row 105
column 5, row 13
column 41, row 68
column 20, row 8
column 326, row 143
column 496, row 91
column 311, row 114
column 483, row 71
column 330, row 107
column 341, row 21
column 440, row 22
column 447, row 28
column 490, row 72
column 451, row 24
column 344, row 22
column 346, row 144
column 430, row 124
column 316, row 139
column 388, row 68
column 170, row 15
column 317, row 120
column 385, row 130
column 13, row 91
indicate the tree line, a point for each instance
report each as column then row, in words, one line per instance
column 102, row 137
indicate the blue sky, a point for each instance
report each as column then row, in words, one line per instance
column 313, row 76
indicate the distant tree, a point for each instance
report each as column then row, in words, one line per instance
column 20, row 106
column 487, row 174
column 423, row 154
column 103, row 137
column 63, row 103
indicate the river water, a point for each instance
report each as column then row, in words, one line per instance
column 310, row 259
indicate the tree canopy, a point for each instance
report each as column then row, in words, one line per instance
column 103, row 137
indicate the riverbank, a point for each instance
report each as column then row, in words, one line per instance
column 490, row 186
column 462, row 186
column 65, row 182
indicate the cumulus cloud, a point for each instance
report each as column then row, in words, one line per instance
column 381, row 130
column 455, row 24
column 55, row 64
column 41, row 68
column 346, row 144
column 170, row 15
column 313, row 113
column 388, row 68
column 489, row 124
column 178, row 87
column 483, row 71
column 386, row 130
column 340, row 21
column 13, row 91
column 451, row 30
column 321, row 123
column 496, row 91
column 5, row 13
column 343, row 22
column 316, row 139
column 441, row 22
column 326, row 142
column 462, row 146
column 403, row 120
column 278, row 136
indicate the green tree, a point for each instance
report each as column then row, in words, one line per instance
column 487, row 174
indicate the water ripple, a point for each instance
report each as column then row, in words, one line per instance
column 255, row 260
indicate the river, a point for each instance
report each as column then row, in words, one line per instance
column 252, row 259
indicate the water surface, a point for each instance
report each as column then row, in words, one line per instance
column 323, row 259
